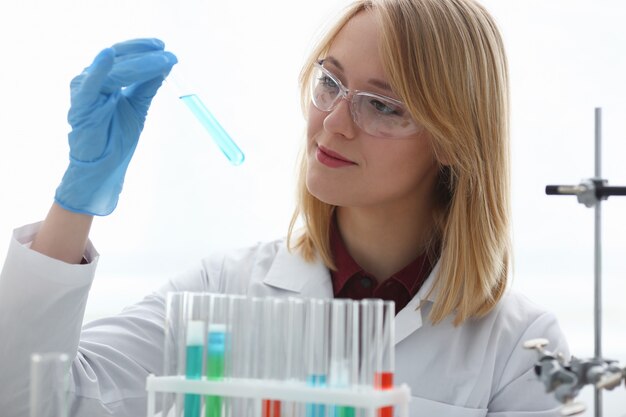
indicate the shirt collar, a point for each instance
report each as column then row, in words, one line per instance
column 289, row 271
column 345, row 264
column 411, row 276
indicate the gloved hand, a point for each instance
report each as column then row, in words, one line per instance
column 109, row 104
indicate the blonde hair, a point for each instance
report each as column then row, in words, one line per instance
column 446, row 60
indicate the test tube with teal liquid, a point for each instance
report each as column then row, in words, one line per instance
column 317, row 352
column 219, row 135
column 193, row 361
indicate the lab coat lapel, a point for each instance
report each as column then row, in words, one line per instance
column 409, row 319
column 289, row 271
column 292, row 273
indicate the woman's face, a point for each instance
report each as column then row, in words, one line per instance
column 348, row 167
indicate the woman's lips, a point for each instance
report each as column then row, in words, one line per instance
column 332, row 159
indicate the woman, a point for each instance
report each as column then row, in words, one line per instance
column 404, row 193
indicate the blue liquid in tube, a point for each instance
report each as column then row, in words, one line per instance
column 228, row 147
column 193, row 371
column 316, row 410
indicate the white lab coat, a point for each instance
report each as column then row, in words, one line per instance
column 476, row 369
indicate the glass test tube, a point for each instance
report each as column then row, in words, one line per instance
column 193, row 368
column 295, row 371
column 371, row 336
column 223, row 140
column 317, row 351
column 383, row 377
column 257, row 354
column 238, row 352
column 195, row 318
column 49, row 384
column 341, row 373
column 216, row 349
column 274, row 342
column 175, row 349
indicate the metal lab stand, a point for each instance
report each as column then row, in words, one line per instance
column 566, row 378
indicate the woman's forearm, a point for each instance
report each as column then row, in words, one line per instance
column 63, row 235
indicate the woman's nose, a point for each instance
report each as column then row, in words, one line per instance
column 339, row 120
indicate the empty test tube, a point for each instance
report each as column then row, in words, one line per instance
column 49, row 383
column 221, row 138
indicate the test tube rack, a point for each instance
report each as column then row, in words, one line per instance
column 259, row 389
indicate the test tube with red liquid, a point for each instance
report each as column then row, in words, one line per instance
column 385, row 357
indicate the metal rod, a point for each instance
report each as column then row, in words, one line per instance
column 598, row 257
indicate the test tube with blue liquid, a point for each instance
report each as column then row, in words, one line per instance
column 317, row 351
column 219, row 135
column 343, row 364
column 193, row 368
column 295, row 366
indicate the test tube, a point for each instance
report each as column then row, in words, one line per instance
column 49, row 383
column 342, row 366
column 216, row 349
column 371, row 338
column 274, row 349
column 195, row 318
column 383, row 377
column 295, row 371
column 238, row 352
column 317, row 351
column 221, row 138
column 193, row 369
column 175, row 349
column 258, row 355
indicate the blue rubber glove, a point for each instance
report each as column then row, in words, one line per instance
column 109, row 104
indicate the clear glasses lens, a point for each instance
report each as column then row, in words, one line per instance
column 375, row 114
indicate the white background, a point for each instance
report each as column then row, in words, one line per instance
column 182, row 199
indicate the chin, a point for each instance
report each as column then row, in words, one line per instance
column 326, row 193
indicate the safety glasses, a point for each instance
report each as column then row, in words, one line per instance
column 376, row 114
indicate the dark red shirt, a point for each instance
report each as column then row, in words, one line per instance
column 352, row 281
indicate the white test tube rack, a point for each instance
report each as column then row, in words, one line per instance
column 369, row 399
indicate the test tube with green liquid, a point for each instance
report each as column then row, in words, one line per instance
column 216, row 347
column 219, row 135
column 193, row 361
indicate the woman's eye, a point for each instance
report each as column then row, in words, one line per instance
column 327, row 82
column 386, row 109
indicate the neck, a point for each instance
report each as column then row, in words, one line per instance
column 385, row 240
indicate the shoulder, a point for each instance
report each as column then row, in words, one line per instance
column 515, row 320
column 257, row 255
column 209, row 274
column 266, row 269
column 517, row 317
